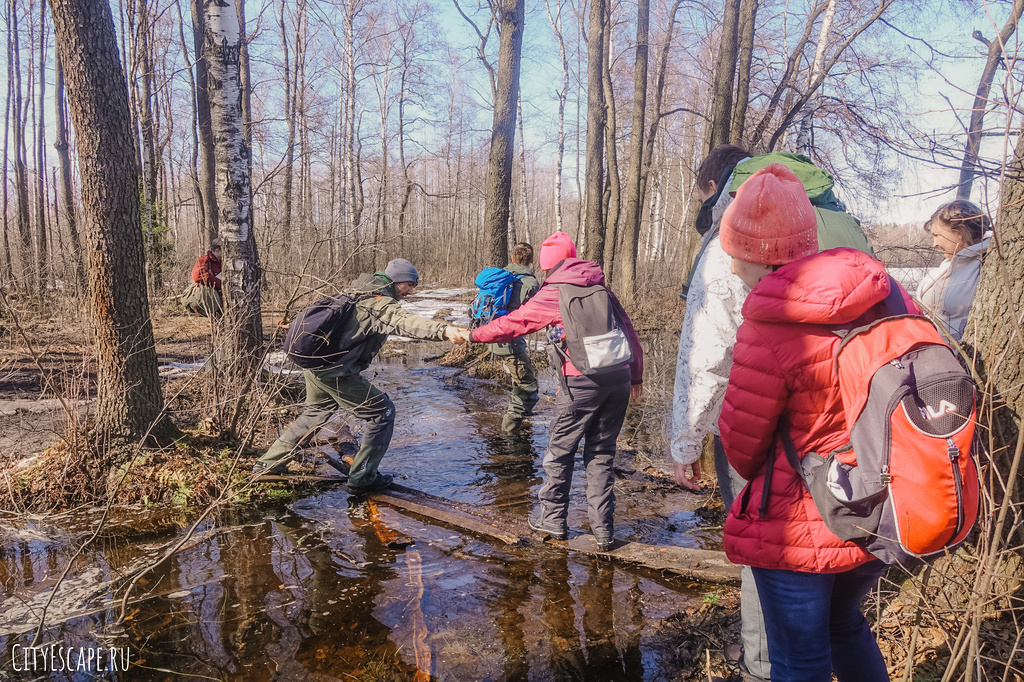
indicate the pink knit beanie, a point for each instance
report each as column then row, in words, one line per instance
column 555, row 248
column 771, row 220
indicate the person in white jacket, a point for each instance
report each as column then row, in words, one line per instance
column 962, row 231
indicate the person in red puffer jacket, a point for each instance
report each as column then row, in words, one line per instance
column 592, row 409
column 810, row 582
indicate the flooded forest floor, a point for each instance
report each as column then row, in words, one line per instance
column 303, row 582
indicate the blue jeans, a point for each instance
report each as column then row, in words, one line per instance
column 815, row 626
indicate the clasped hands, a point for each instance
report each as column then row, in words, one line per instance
column 457, row 335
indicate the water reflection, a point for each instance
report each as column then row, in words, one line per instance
column 322, row 588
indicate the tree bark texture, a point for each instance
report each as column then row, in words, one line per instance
column 129, row 395
column 994, row 328
column 498, row 191
column 242, row 325
column 725, row 73
column 593, row 247
column 631, row 223
column 968, row 167
column 8, row 267
column 148, row 146
column 805, row 137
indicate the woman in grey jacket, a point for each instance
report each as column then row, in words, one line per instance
column 962, row 231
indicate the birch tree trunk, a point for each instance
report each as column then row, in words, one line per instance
column 498, row 191
column 556, row 25
column 242, row 326
column 67, row 193
column 804, row 139
column 289, row 116
column 968, row 167
column 593, row 246
column 148, row 147
column 129, row 401
column 631, row 224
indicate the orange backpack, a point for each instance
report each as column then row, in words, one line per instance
column 906, row 487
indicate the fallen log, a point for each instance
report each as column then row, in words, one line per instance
column 697, row 564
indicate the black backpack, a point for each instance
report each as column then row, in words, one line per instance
column 313, row 340
column 592, row 333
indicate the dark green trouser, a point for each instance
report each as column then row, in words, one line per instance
column 324, row 395
column 524, row 381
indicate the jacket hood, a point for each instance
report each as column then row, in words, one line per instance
column 577, row 271
column 974, row 251
column 832, row 287
column 377, row 282
column 517, row 269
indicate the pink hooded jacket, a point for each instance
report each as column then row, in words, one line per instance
column 782, row 368
column 542, row 311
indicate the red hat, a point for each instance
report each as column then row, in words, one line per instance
column 556, row 248
column 771, row 220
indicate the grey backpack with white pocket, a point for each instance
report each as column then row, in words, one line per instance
column 593, row 335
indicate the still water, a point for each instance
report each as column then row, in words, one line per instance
column 316, row 587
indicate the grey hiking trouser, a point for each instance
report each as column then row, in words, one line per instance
column 755, row 642
column 593, row 413
column 324, row 395
column 525, row 391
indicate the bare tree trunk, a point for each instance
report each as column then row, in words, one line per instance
column 804, row 139
column 130, row 400
column 243, row 331
column 725, row 71
column 207, row 156
column 8, row 268
column 631, row 225
column 659, row 92
column 193, row 162
column 593, row 247
column 748, row 24
column 353, row 180
column 67, row 193
column 613, row 191
column 148, row 149
column 289, row 115
column 498, row 191
column 556, row 25
column 20, row 171
column 523, row 195
column 42, row 245
column 968, row 168
column 406, row 179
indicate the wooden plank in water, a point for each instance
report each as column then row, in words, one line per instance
column 301, row 478
column 699, row 564
column 442, row 510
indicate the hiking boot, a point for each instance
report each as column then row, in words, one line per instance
column 557, row 533
column 605, row 544
column 510, row 424
column 380, row 483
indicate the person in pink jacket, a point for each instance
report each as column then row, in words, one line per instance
column 810, row 583
column 591, row 409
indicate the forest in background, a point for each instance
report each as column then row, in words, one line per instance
column 370, row 126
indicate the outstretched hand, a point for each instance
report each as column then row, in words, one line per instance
column 692, row 481
column 456, row 335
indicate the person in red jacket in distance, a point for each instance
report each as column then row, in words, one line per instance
column 810, row 583
column 593, row 408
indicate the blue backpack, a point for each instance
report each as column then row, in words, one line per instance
column 495, row 293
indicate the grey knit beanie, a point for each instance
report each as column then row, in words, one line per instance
column 401, row 270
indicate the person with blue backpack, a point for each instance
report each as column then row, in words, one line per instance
column 334, row 341
column 502, row 290
column 599, row 360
